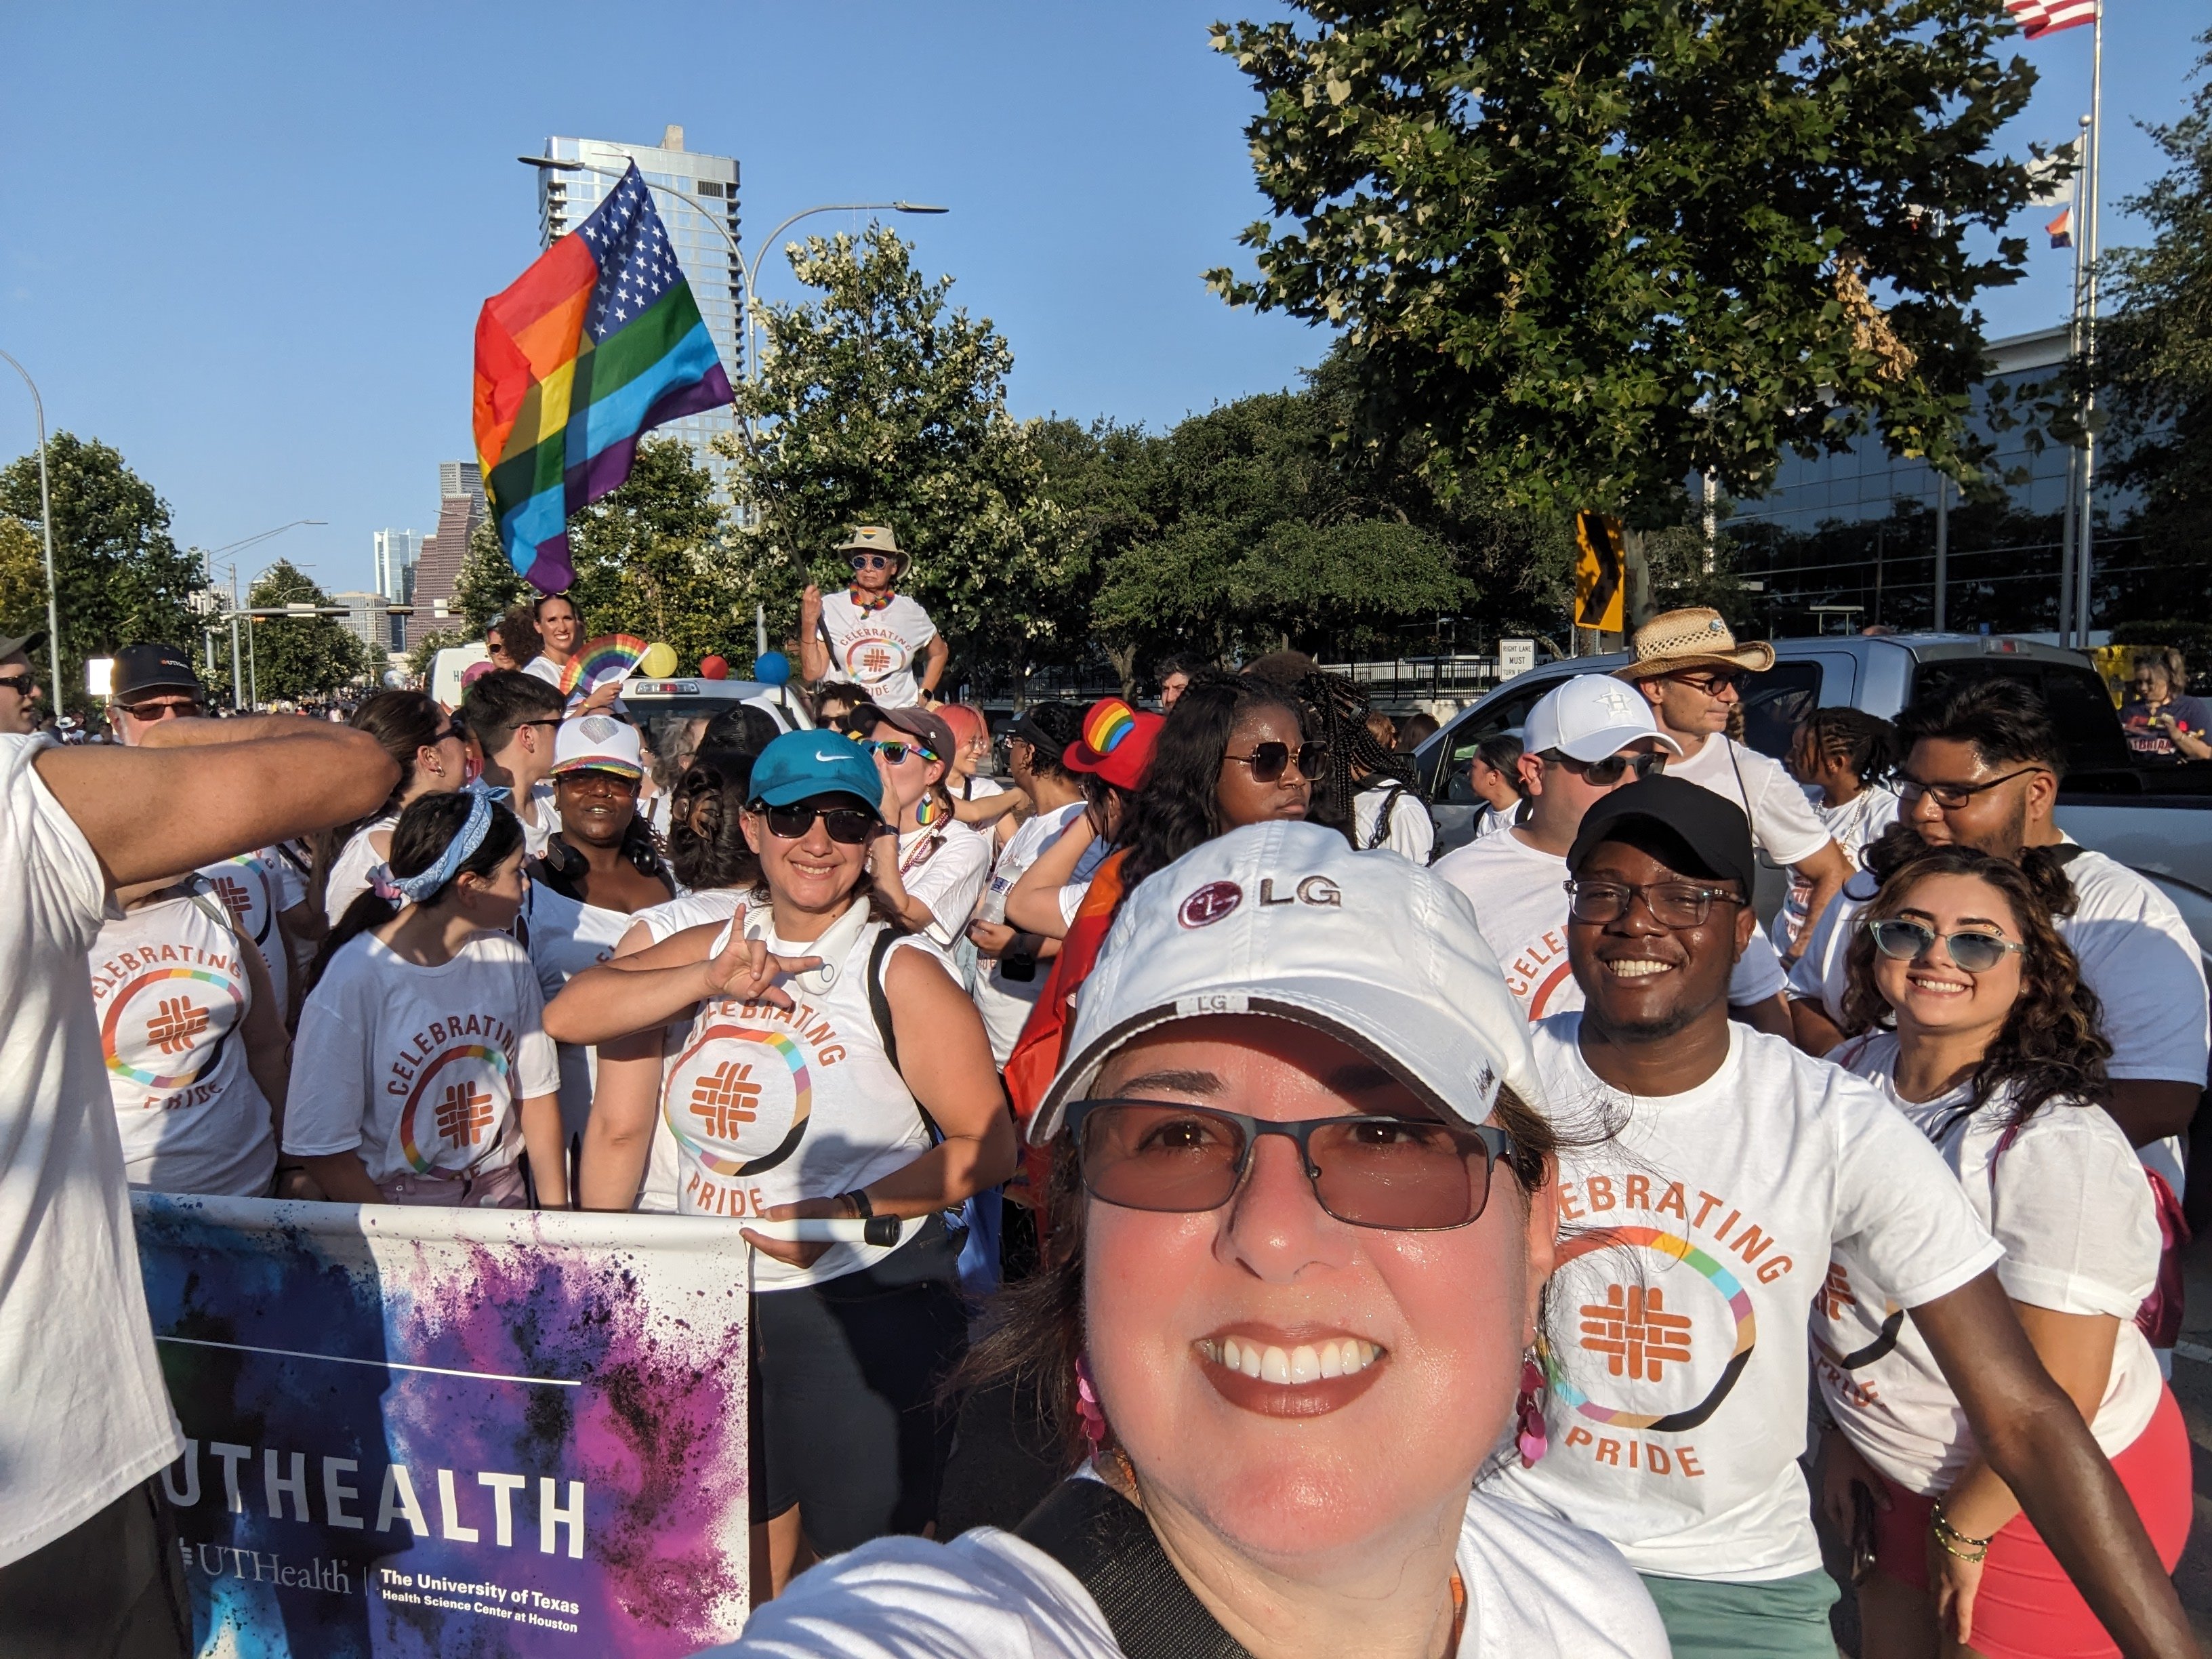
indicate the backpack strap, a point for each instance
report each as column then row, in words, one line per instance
column 879, row 1005
column 1105, row 1540
column 1380, row 836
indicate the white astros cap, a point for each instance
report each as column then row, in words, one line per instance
column 1591, row 718
column 1287, row 920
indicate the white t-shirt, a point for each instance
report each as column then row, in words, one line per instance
column 658, row 1192
column 1852, row 826
column 1783, row 825
column 1536, row 1587
column 543, row 667
column 1520, row 899
column 1692, row 1244
column 420, row 1069
column 88, row 1414
column 357, row 867
column 1413, row 832
column 672, row 916
column 257, row 887
column 565, row 936
column 1005, row 1003
column 2137, row 954
column 2067, row 1200
column 171, row 986
column 877, row 650
column 945, row 867
column 536, row 837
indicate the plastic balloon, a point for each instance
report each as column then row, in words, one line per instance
column 657, row 663
column 774, row 668
column 713, row 668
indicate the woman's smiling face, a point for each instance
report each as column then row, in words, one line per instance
column 1399, row 1353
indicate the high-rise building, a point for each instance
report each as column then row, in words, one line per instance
column 460, row 510
column 365, row 619
column 565, row 200
column 396, row 551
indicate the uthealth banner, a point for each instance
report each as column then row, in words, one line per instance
column 432, row 1431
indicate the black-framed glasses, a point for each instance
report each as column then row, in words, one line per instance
column 1952, row 796
column 1671, row 903
column 1407, row 1175
column 896, row 752
column 1269, row 761
column 1604, row 774
column 1901, row 940
column 146, row 712
column 21, row 684
column 869, row 562
column 1715, row 682
column 850, row 826
column 553, row 721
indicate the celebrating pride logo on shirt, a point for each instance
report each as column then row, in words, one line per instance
column 875, row 653
column 164, row 1028
column 1639, row 1332
column 739, row 1099
column 464, row 1089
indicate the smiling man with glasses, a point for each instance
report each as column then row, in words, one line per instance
column 1690, row 669
column 148, row 684
column 870, row 634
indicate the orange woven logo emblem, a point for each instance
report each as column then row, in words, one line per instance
column 1633, row 1330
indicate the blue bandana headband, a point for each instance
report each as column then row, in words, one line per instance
column 418, row 889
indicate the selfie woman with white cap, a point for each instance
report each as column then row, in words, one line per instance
column 1309, row 1219
column 834, row 1070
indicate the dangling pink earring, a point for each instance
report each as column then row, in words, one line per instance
column 1086, row 1404
column 1529, row 1414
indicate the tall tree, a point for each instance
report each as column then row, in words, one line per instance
column 1587, row 250
column 880, row 403
column 300, row 656
column 120, row 578
column 488, row 585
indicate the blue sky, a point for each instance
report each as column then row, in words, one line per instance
column 245, row 244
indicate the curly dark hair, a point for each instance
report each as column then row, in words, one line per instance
column 1040, row 1329
column 2052, row 1045
column 707, row 845
column 1178, row 806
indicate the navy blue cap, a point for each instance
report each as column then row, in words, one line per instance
column 799, row 765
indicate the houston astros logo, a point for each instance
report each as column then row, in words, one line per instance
column 1641, row 1338
column 463, row 1105
column 732, row 1090
column 160, row 1018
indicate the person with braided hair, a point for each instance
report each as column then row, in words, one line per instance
column 1974, row 1017
column 1844, row 757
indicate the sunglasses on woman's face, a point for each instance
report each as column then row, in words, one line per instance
column 1901, row 940
column 1269, row 761
column 848, row 826
column 870, row 561
column 1404, row 1174
column 896, row 753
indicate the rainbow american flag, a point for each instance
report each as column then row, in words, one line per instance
column 594, row 345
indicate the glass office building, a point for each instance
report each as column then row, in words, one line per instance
column 565, row 200
column 1846, row 541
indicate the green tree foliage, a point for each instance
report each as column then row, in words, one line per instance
column 2155, row 357
column 488, row 585
column 120, row 578
column 304, row 656
column 1584, row 252
column 881, row 404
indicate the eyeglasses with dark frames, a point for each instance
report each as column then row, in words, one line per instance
column 1604, row 774
column 1952, row 796
column 1403, row 1175
column 146, row 712
column 1671, row 903
column 848, row 826
column 1714, row 683
column 1270, row 760
column 21, row 684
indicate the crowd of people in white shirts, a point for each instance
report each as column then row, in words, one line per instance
column 1911, row 1153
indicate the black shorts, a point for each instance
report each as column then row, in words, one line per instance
column 844, row 1418
column 113, row 1586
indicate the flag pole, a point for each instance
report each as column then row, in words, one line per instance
column 2085, row 566
column 2069, row 534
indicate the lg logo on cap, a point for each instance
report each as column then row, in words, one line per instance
column 1218, row 898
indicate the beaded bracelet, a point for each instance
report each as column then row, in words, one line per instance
column 1949, row 1537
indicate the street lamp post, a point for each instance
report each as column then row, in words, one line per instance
column 238, row 687
column 46, row 526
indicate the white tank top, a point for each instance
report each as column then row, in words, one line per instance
column 169, row 982
column 768, row 1105
column 664, row 1174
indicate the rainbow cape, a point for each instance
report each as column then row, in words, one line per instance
column 594, row 345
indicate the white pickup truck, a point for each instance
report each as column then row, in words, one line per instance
column 2154, row 818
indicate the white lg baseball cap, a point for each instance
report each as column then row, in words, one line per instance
column 1287, row 920
column 1590, row 717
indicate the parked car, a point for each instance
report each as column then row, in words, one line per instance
column 659, row 705
column 2155, row 818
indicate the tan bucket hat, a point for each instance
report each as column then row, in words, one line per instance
column 873, row 538
column 1693, row 638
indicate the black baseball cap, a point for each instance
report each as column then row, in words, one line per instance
column 140, row 669
column 1049, row 728
column 1697, row 831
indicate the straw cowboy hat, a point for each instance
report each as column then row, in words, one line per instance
column 875, row 538
column 1696, row 638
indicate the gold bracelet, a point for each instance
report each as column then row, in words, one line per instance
column 1949, row 1537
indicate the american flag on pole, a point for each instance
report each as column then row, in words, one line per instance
column 2037, row 18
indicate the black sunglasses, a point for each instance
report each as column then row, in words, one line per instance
column 1269, row 761
column 869, row 562
column 1604, row 774
column 1902, row 940
column 21, row 684
column 848, row 826
column 1407, row 1175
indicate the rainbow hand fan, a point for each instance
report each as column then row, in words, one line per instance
column 610, row 657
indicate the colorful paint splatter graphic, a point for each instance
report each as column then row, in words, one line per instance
column 470, row 1433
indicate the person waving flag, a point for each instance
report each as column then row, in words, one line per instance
column 594, row 345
